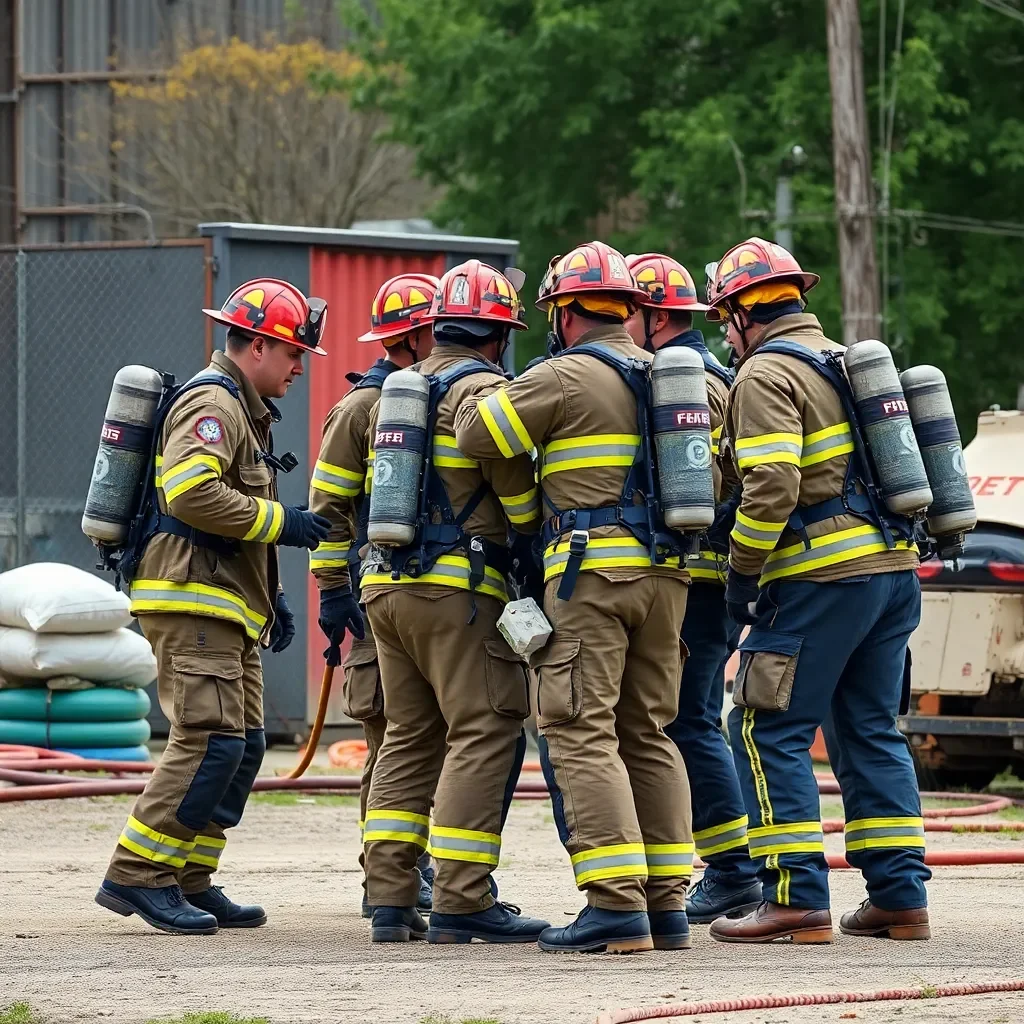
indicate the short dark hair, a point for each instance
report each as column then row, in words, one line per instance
column 238, row 339
column 681, row 319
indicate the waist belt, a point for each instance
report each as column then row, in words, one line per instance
column 224, row 546
column 851, row 504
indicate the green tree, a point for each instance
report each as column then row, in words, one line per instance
column 666, row 127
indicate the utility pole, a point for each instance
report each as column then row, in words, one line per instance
column 855, row 205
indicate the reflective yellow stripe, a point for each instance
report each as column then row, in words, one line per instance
column 884, row 833
column 625, row 860
column 760, row 779
column 669, row 859
column 449, row 571
column 396, row 827
column 828, row 549
column 371, row 457
column 792, row 837
column 465, row 845
column 728, row 836
column 337, row 480
column 708, row 565
column 269, row 522
column 768, row 448
column 601, row 553
column 513, row 417
column 207, row 851
column 716, row 437
column 521, row 508
column 154, row 846
column 330, row 555
column 755, row 533
column 195, row 599
column 186, row 475
column 589, row 450
column 446, row 453
column 504, row 425
column 829, row 443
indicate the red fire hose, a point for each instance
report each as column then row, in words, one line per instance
column 815, row 999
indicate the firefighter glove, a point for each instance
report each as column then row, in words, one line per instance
column 339, row 611
column 302, row 528
column 283, row 629
column 725, row 520
column 741, row 597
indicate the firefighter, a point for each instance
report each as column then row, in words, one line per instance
column 207, row 593
column 454, row 692
column 400, row 320
column 609, row 676
column 729, row 884
column 828, row 586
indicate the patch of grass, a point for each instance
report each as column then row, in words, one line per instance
column 832, row 808
column 1007, row 780
column 435, row 1018
column 19, row 1013
column 288, row 798
column 1011, row 814
column 210, row 1017
column 929, row 992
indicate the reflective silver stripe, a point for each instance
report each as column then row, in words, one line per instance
column 446, row 453
column 683, row 860
column 760, row 846
column 349, row 485
column 522, row 508
column 776, row 564
column 755, row 534
column 188, row 600
column 879, row 833
column 631, row 551
column 268, row 526
column 589, row 451
column 173, row 855
column 737, row 836
column 501, row 421
column 173, row 479
column 321, row 556
column 637, row 860
column 397, row 825
column 710, row 567
column 743, row 451
column 440, row 844
column 202, row 850
column 816, row 447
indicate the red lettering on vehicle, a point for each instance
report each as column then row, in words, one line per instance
column 974, row 481
column 1014, row 480
column 966, row 670
column 988, row 488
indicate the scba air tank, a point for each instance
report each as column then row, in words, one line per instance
column 123, row 458
column 931, row 411
column 682, row 435
column 399, row 443
column 885, row 420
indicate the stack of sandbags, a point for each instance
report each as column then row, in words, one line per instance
column 71, row 673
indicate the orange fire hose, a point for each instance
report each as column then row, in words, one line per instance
column 321, row 714
column 815, row 999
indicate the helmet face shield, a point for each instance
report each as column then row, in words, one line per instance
column 316, row 324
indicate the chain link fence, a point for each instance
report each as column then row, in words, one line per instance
column 69, row 319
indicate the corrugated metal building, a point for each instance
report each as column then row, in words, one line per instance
column 57, row 60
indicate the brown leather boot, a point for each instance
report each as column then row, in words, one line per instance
column 771, row 921
column 868, row 919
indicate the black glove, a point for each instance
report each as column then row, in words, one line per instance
column 283, row 629
column 725, row 520
column 339, row 611
column 302, row 528
column 740, row 597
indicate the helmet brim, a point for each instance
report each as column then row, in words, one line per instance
column 634, row 295
column 374, row 334
column 219, row 317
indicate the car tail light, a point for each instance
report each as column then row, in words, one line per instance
column 1009, row 572
column 926, row 570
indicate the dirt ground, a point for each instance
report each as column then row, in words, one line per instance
column 313, row 962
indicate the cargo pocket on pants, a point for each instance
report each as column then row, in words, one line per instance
column 767, row 670
column 559, row 682
column 362, row 696
column 208, row 691
column 508, row 685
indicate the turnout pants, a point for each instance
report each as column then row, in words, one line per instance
column 719, row 817
column 831, row 655
column 210, row 687
column 608, row 684
column 455, row 696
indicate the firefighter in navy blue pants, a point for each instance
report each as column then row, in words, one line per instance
column 729, row 883
column 826, row 579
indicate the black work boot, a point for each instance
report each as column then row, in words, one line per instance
column 501, row 922
column 228, row 914
column 397, row 924
column 165, row 907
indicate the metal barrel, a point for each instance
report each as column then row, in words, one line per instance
column 931, row 411
column 885, row 421
column 122, row 459
column 399, row 444
column 682, row 436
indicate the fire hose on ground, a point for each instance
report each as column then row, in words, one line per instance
column 27, row 770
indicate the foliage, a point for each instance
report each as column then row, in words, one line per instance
column 210, row 1017
column 239, row 132
column 667, row 127
column 18, row 1013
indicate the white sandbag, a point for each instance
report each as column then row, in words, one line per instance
column 50, row 597
column 121, row 656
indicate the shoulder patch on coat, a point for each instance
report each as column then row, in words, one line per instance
column 209, row 430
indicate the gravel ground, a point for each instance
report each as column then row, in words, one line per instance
column 74, row 961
